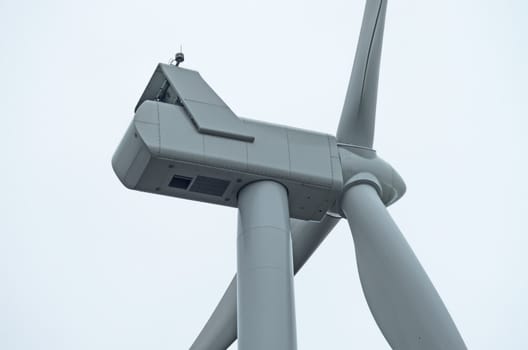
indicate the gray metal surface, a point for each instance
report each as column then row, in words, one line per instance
column 220, row 331
column 265, row 304
column 402, row 299
column 356, row 163
column 163, row 142
column 131, row 158
column 356, row 125
column 210, row 115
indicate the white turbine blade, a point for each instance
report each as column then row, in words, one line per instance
column 220, row 331
column 402, row 299
column 307, row 236
column 356, row 125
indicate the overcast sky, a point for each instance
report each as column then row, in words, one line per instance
column 87, row 264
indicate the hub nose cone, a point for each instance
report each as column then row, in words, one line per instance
column 398, row 186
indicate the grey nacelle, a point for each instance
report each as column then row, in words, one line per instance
column 163, row 152
column 186, row 142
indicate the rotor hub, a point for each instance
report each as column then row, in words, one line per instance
column 361, row 165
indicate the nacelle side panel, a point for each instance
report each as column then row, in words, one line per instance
column 163, row 152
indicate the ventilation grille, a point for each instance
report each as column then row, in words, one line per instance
column 209, row 185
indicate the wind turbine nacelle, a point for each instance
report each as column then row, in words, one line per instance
column 178, row 147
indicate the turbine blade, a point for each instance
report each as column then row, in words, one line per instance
column 220, row 331
column 356, row 125
column 402, row 299
column 307, row 236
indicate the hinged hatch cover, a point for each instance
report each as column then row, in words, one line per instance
column 208, row 112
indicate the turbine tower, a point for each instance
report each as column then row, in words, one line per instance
column 291, row 187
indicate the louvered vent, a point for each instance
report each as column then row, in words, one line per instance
column 209, row 185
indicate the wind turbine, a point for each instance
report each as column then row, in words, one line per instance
column 291, row 187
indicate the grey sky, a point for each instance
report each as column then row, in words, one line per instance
column 88, row 264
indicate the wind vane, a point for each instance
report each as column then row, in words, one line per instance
column 178, row 58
